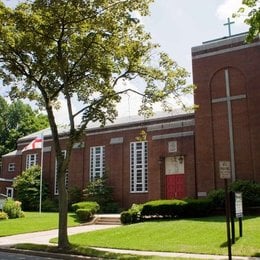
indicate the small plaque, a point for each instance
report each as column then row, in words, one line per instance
column 224, row 170
column 172, row 147
column 117, row 140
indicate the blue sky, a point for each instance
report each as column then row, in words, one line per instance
column 178, row 25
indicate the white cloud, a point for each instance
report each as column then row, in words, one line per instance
column 227, row 8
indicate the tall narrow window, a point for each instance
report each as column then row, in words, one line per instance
column 31, row 160
column 139, row 167
column 97, row 162
column 56, row 191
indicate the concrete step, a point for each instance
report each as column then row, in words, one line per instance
column 107, row 220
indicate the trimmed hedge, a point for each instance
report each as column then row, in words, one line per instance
column 195, row 208
column 84, row 215
column 218, row 198
column 167, row 209
column 85, row 210
column 164, row 208
column 92, row 206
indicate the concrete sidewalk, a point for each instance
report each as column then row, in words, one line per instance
column 45, row 236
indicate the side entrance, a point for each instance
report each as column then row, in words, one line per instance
column 174, row 177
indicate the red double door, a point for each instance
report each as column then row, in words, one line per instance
column 174, row 178
column 175, row 186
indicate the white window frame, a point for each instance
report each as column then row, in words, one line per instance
column 31, row 160
column 138, row 167
column 10, row 190
column 56, row 190
column 96, row 162
column 11, row 167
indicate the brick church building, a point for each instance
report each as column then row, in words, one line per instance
column 178, row 155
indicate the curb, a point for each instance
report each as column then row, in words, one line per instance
column 46, row 254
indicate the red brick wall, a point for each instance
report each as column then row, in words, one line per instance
column 212, row 135
column 117, row 158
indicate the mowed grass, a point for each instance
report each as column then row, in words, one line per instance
column 32, row 222
column 205, row 235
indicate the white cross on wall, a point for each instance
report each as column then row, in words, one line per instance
column 229, row 99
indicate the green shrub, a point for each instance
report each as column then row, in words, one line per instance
column 195, row 208
column 133, row 215
column 100, row 192
column 27, row 188
column 49, row 205
column 126, row 217
column 84, row 215
column 91, row 206
column 3, row 215
column 250, row 192
column 163, row 208
column 217, row 197
column 13, row 209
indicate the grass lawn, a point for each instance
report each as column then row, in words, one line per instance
column 32, row 222
column 205, row 235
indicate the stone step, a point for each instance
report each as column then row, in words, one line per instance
column 107, row 220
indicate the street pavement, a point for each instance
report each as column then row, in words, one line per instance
column 44, row 237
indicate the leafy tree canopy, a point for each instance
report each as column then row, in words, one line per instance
column 17, row 120
column 82, row 48
column 253, row 18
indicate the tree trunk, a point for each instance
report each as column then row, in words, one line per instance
column 63, row 241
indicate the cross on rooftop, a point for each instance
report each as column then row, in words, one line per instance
column 229, row 26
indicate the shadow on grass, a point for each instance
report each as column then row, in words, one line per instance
column 225, row 244
column 76, row 220
column 74, row 217
column 79, row 251
column 199, row 219
column 221, row 218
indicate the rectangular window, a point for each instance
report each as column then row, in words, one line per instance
column 139, row 167
column 56, row 191
column 31, row 160
column 97, row 162
column 11, row 167
column 10, row 192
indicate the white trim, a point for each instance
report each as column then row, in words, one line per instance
column 8, row 180
column 171, row 125
column 173, row 135
column 230, row 49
